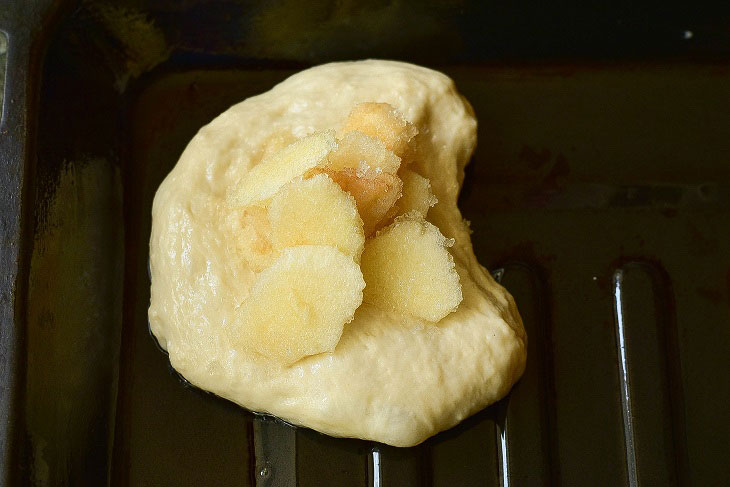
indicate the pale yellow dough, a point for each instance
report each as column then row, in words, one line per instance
column 391, row 378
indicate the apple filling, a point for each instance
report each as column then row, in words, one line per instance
column 328, row 223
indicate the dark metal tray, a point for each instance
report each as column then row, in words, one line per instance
column 599, row 193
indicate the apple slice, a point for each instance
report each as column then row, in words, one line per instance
column 265, row 178
column 300, row 305
column 382, row 121
column 374, row 196
column 316, row 211
column 408, row 269
column 417, row 197
column 367, row 155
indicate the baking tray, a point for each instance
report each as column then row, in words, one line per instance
column 599, row 194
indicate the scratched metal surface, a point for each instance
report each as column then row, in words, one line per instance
column 599, row 195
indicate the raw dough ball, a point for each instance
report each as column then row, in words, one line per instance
column 249, row 329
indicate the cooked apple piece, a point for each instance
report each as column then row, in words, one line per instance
column 383, row 122
column 265, row 179
column 407, row 268
column 250, row 232
column 299, row 305
column 374, row 196
column 417, row 195
column 367, row 155
column 316, row 211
